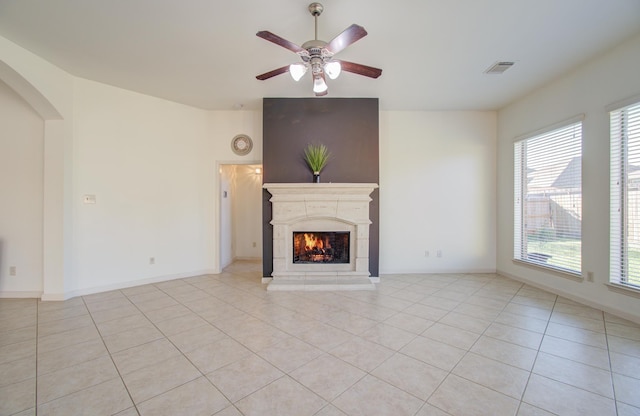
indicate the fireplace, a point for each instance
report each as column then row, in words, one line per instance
column 335, row 253
column 320, row 247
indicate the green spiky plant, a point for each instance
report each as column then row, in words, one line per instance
column 316, row 156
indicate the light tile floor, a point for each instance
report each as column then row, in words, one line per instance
column 424, row 345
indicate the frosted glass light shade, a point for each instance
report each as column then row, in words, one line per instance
column 297, row 71
column 319, row 85
column 333, row 69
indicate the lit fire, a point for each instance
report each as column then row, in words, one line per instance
column 312, row 241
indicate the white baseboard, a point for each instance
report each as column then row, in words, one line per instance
column 588, row 302
column 53, row 297
column 443, row 271
column 20, row 294
column 256, row 259
column 133, row 283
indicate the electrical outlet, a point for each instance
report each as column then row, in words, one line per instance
column 255, row 244
column 589, row 276
column 12, row 271
column 439, row 253
column 152, row 260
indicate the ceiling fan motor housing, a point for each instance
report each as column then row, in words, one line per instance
column 314, row 44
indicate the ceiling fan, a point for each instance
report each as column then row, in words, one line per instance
column 318, row 55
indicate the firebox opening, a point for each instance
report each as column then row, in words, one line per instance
column 320, row 247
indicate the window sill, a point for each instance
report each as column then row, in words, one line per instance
column 548, row 269
column 624, row 289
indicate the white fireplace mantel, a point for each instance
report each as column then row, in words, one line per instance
column 320, row 207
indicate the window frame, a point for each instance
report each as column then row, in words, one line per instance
column 521, row 253
column 619, row 149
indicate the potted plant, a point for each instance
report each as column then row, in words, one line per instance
column 316, row 156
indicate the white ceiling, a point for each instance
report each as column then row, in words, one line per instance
column 433, row 52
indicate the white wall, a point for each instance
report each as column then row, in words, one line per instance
column 223, row 127
column 141, row 157
column 21, row 195
column 153, row 167
column 437, row 191
column 587, row 91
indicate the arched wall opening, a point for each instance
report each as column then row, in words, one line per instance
column 56, row 239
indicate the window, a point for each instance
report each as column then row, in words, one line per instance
column 625, row 196
column 548, row 199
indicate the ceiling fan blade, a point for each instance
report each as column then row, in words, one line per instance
column 266, row 35
column 367, row 71
column 273, row 73
column 350, row 35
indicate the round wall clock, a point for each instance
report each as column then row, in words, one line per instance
column 241, row 144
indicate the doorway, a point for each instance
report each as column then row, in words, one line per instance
column 240, row 213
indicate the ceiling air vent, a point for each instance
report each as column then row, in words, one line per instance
column 499, row 67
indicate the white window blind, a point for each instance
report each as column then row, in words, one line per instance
column 548, row 199
column 625, row 196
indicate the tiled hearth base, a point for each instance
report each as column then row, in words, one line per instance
column 311, row 284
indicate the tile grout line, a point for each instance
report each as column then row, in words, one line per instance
column 396, row 352
column 284, row 373
column 185, row 356
column 257, row 307
column 613, row 386
column 37, row 339
column 555, row 302
column 323, row 352
column 135, row 406
column 610, row 370
column 450, row 372
column 164, row 336
column 232, row 404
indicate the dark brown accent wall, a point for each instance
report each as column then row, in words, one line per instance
column 347, row 126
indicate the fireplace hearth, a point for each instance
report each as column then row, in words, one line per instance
column 335, row 219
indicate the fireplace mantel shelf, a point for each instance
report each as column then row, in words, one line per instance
column 320, row 188
column 330, row 185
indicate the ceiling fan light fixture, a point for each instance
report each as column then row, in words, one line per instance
column 319, row 86
column 297, row 70
column 333, row 69
column 317, row 55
